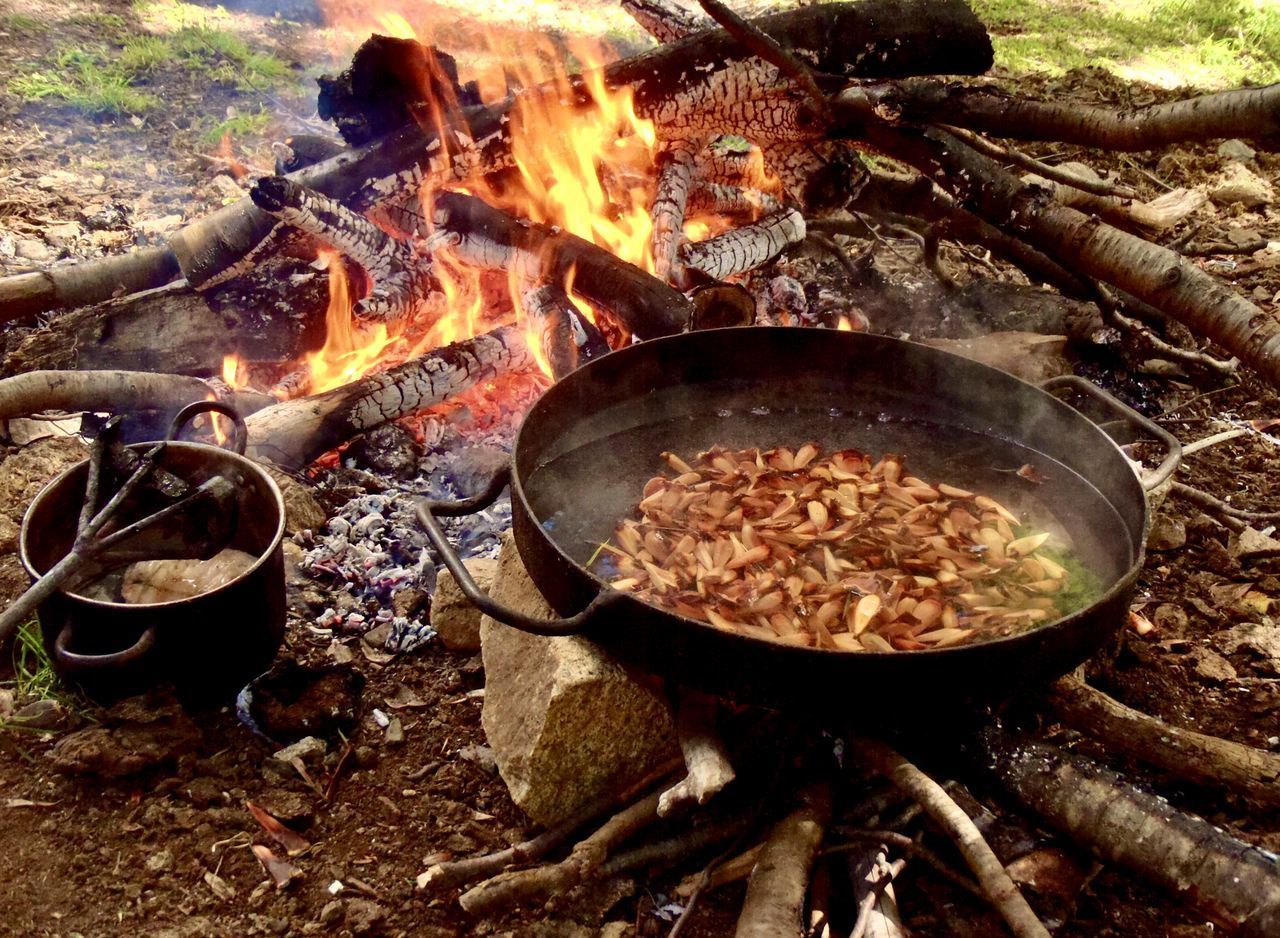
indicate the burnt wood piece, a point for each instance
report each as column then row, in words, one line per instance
column 675, row 175
column 566, row 337
column 486, row 237
column 876, row 39
column 1226, row 879
column 276, row 311
column 746, row 248
column 1153, row 274
column 401, row 273
column 292, row 434
column 1252, row 113
column 735, row 201
column 390, row 83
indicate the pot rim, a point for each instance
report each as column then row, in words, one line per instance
column 1119, row 587
column 264, row 556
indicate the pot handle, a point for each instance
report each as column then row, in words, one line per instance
column 241, row 437
column 1173, row 448
column 427, row 513
column 73, row 662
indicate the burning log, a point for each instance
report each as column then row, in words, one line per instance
column 1226, row 879
column 567, row 338
column 675, row 175
column 488, row 238
column 293, row 433
column 401, row 274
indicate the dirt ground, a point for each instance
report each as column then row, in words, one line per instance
column 166, row 852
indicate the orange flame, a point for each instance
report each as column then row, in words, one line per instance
column 844, row 325
column 584, row 161
column 234, row 166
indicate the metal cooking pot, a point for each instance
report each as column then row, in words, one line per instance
column 207, row 646
column 586, row 448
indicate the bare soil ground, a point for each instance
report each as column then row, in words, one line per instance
column 167, row 852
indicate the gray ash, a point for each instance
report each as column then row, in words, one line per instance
column 373, row 548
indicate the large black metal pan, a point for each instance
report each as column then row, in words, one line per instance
column 589, row 444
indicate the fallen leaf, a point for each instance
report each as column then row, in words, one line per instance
column 1264, row 425
column 291, row 840
column 1031, row 474
column 282, row 872
column 1140, row 623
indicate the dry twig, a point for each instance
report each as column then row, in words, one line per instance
column 997, row 885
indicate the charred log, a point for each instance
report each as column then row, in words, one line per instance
column 675, row 175
column 567, row 338
column 486, row 237
column 293, row 433
column 742, row 249
column 91, row 282
column 402, row 275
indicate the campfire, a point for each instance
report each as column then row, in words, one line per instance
column 557, row 268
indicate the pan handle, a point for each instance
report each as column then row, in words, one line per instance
column 73, row 662
column 239, row 441
column 427, row 512
column 1173, row 449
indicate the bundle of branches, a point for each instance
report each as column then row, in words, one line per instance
column 810, row 89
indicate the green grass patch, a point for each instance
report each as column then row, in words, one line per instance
column 22, row 22
column 33, row 675
column 85, row 79
column 1207, row 43
column 242, row 125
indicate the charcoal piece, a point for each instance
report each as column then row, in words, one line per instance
column 389, row 449
column 292, row 701
column 390, row 84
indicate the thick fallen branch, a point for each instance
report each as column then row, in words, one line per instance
column 1252, row 113
column 774, row 904
column 293, row 433
column 1000, row 889
column 82, row 284
column 1152, row 273
column 112, row 391
column 1233, row 882
column 1195, row 757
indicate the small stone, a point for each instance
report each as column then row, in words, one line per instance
column 226, row 187
column 159, row 862
column 331, row 914
column 1261, row 640
column 454, row 618
column 1238, row 184
column 60, row 234
column 30, row 249
column 39, row 714
column 1249, row 543
column 1028, row 355
column 1236, row 150
column 377, row 636
column 309, row 750
column 55, row 179
column 363, row 916
column 394, row 735
column 1170, row 619
column 1211, row 666
column 160, row 226
column 301, row 510
column 1166, row 534
column 480, row 756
